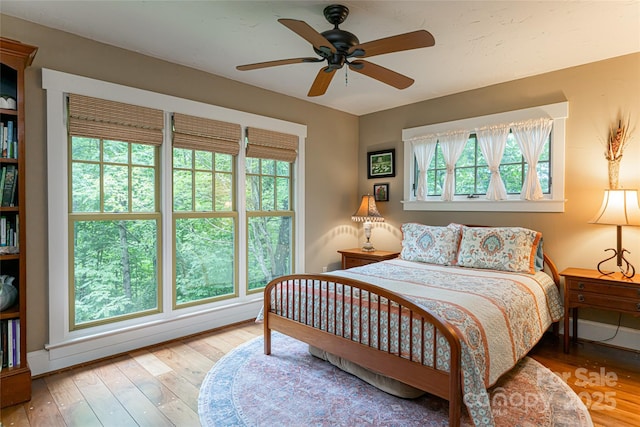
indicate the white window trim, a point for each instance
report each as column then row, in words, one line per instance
column 553, row 202
column 67, row 348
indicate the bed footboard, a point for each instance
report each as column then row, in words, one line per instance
column 368, row 325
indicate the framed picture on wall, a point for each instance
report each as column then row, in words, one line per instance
column 381, row 164
column 381, row 192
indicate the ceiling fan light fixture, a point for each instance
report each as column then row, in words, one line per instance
column 335, row 46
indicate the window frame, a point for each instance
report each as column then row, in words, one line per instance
column 67, row 347
column 552, row 202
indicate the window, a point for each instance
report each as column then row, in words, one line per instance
column 204, row 224
column 205, row 229
column 269, row 199
column 166, row 224
column 472, row 173
column 114, row 219
column 270, row 221
column 486, row 166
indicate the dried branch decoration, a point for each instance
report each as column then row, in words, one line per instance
column 617, row 141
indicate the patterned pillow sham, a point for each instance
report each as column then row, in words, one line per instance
column 431, row 244
column 499, row 248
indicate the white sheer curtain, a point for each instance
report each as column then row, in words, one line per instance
column 423, row 148
column 452, row 145
column 492, row 141
column 531, row 136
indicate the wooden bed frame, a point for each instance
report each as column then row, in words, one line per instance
column 445, row 383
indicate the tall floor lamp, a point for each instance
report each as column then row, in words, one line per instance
column 367, row 213
column 619, row 207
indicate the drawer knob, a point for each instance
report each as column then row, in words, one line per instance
column 580, row 285
column 638, row 306
column 581, row 298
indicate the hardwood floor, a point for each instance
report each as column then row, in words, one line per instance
column 159, row 386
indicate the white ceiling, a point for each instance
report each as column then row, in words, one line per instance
column 478, row 43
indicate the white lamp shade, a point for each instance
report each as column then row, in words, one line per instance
column 619, row 207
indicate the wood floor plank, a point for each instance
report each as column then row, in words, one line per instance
column 42, row 409
column 132, row 399
column 75, row 410
column 14, row 416
column 200, row 345
column 150, row 362
column 106, row 406
column 156, row 392
column 182, row 388
column 185, row 361
column 180, row 414
column 165, row 377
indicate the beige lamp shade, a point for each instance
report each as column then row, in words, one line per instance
column 619, row 207
column 367, row 212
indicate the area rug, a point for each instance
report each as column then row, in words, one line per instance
column 293, row 388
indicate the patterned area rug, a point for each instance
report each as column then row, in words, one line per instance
column 293, row 388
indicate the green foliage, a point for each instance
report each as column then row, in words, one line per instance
column 115, row 255
column 472, row 173
column 104, row 286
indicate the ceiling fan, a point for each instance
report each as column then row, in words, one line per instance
column 339, row 47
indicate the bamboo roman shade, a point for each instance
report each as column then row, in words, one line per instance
column 267, row 144
column 198, row 133
column 99, row 118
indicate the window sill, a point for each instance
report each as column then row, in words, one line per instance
column 480, row 205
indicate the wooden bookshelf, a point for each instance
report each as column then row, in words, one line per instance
column 15, row 381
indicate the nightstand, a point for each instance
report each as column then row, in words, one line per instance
column 357, row 257
column 590, row 288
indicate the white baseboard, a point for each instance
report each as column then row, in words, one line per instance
column 589, row 330
column 76, row 353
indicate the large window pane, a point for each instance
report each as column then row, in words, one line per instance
column 182, row 190
column 114, row 269
column 205, row 254
column 85, row 149
column 85, row 187
column 270, row 251
column 116, row 188
column 143, row 193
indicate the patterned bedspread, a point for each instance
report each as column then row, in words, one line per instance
column 500, row 316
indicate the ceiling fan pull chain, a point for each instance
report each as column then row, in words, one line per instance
column 346, row 78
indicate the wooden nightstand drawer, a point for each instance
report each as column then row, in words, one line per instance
column 357, row 257
column 582, row 285
column 350, row 262
column 604, row 301
column 592, row 289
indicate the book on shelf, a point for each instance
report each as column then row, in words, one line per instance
column 10, row 342
column 8, row 140
column 10, row 174
column 8, row 231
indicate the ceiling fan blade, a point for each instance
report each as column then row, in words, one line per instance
column 321, row 83
column 385, row 75
column 276, row 63
column 305, row 31
column 407, row 41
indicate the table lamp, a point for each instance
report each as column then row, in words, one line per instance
column 619, row 207
column 367, row 213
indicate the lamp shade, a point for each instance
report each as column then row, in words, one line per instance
column 619, row 207
column 367, row 212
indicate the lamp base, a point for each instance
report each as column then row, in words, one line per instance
column 628, row 271
column 367, row 247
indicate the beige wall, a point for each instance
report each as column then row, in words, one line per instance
column 331, row 135
column 596, row 94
